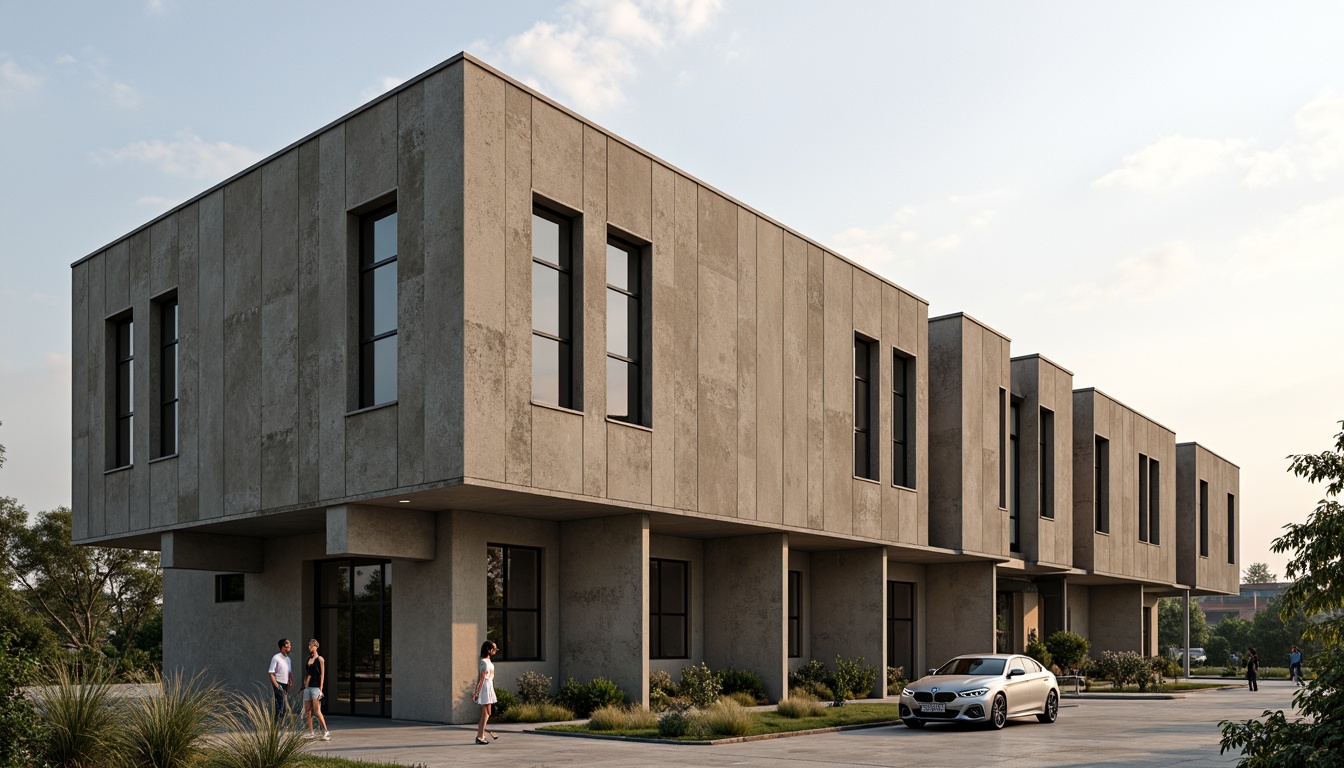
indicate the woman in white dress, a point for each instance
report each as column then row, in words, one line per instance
column 485, row 690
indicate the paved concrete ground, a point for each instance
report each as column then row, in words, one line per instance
column 1171, row 732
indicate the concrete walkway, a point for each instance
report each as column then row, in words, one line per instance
column 1095, row 733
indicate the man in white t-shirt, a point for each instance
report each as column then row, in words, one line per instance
column 279, row 674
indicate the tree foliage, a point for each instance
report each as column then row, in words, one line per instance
column 1258, row 573
column 1315, row 736
column 1171, row 626
column 90, row 596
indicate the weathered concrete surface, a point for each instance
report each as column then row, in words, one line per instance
column 364, row 531
column 961, row 615
column 849, row 607
column 746, row 610
column 212, row 552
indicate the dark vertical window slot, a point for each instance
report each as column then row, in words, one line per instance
column 1203, row 518
column 795, row 614
column 625, row 333
column 865, row 463
column 378, row 307
column 123, row 449
column 1047, row 464
column 553, row 302
column 902, row 420
column 669, row 609
column 168, row 387
column 1101, row 484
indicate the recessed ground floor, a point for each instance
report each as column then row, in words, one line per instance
column 401, row 608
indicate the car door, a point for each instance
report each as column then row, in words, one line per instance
column 1018, row 687
column 1040, row 684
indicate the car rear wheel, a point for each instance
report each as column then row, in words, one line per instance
column 912, row 723
column 998, row 712
column 1051, row 711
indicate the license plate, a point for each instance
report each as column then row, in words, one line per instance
column 933, row 708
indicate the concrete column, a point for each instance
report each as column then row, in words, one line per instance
column 960, row 615
column 746, row 580
column 849, row 619
column 604, row 598
column 363, row 531
column 1116, row 621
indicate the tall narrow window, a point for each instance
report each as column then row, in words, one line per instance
column 1154, row 502
column 552, row 309
column 669, row 614
column 902, row 420
column 624, row 333
column 123, row 403
column 901, row 625
column 168, row 377
column 1143, row 497
column 513, row 601
column 795, row 614
column 1046, row 459
column 378, row 307
column 1101, row 484
column 865, row 463
column 1014, row 486
column 1203, row 518
column 1231, row 529
column 1003, row 448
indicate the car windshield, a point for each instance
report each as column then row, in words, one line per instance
column 972, row 666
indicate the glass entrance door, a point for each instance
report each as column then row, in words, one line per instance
column 354, row 626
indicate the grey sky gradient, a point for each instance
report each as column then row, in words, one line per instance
column 1149, row 193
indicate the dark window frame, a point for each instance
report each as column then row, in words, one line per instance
column 903, row 459
column 1003, row 448
column 506, row 614
column 1101, row 484
column 169, row 331
column 1142, row 498
column 564, row 265
column 657, row 611
column 1014, row 475
column 795, row 614
column 1154, row 502
column 1231, row 529
column 867, row 464
column 230, row 588
column 122, row 402
column 894, row 623
column 1203, row 518
column 634, row 294
column 1046, row 468
column 369, row 267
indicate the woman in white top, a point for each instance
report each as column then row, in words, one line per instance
column 485, row 690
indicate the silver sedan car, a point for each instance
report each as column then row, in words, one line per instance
column 987, row 688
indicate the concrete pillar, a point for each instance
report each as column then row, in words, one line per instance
column 604, row 598
column 746, row 607
column 363, row 531
column 849, row 619
column 1116, row 620
column 960, row 616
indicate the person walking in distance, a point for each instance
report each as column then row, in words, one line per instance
column 485, row 690
column 279, row 674
column 314, row 678
column 1253, row 670
column 1295, row 665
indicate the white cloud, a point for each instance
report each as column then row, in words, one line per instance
column 591, row 53
column 1322, row 119
column 188, row 156
column 1307, row 241
column 16, row 81
column 385, row 84
column 122, row 95
column 917, row 233
column 154, row 6
column 1172, row 162
column 1153, row 274
column 66, row 58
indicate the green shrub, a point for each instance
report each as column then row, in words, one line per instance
column 811, row 673
column 1166, row 667
column 20, row 739
column 852, row 679
column 675, row 724
column 253, row 738
column 170, row 730
column 800, row 704
column 659, row 701
column 700, row 685
column 78, row 722
column 584, row 698
column 743, row 681
column 1217, row 650
column 1036, row 649
column 622, row 719
column 534, row 687
column 1067, row 649
column 504, row 702
column 896, row 680
column 1122, row 668
column 726, row 717
column 545, row 712
column 662, row 681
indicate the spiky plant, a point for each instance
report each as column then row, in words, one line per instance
column 253, row 737
column 169, row 729
column 77, row 716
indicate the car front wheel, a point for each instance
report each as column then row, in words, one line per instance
column 998, row 712
column 1051, row 712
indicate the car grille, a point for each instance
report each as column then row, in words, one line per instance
column 939, row 696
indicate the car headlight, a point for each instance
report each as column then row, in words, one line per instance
column 975, row 693
column 907, row 692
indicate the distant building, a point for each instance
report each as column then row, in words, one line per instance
column 1253, row 599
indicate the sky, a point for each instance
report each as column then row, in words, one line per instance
column 1150, row 194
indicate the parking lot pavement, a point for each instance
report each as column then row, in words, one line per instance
column 1108, row 732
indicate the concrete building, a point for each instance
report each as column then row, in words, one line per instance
column 581, row 403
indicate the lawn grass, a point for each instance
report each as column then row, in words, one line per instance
column 340, row 762
column 1167, row 687
column 769, row 721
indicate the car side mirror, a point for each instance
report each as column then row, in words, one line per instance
column 1015, row 672
column 933, row 671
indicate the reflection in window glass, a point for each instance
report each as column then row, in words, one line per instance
column 552, row 309
column 625, row 361
column 669, row 615
column 378, row 307
column 513, row 601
